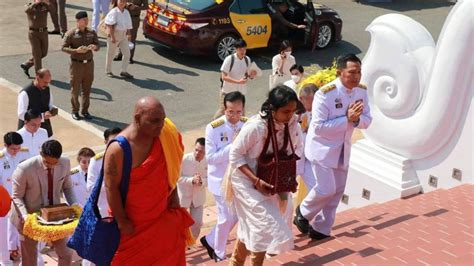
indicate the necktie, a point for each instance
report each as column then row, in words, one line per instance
column 85, row 177
column 50, row 186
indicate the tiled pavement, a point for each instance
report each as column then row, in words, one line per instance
column 427, row 229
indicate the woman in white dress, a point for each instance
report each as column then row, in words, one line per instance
column 262, row 226
column 282, row 62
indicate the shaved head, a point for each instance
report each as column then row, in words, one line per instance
column 149, row 116
column 146, row 104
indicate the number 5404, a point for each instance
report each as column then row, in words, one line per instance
column 256, row 30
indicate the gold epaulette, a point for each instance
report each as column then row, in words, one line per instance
column 217, row 123
column 362, row 86
column 2, row 154
column 74, row 171
column 99, row 155
column 327, row 88
column 24, row 149
column 244, row 119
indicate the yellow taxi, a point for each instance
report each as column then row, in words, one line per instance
column 212, row 26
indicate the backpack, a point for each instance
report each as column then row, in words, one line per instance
column 232, row 59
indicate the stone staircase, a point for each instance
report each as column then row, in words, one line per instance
column 435, row 228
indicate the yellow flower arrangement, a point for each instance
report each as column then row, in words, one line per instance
column 321, row 77
column 47, row 233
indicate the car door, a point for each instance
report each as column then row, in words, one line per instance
column 251, row 20
column 311, row 31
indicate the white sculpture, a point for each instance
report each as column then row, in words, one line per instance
column 420, row 96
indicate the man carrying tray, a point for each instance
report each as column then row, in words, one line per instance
column 37, row 183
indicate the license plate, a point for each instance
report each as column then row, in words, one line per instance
column 163, row 21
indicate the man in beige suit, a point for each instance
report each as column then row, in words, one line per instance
column 193, row 183
column 39, row 182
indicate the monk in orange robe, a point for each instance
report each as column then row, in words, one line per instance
column 154, row 229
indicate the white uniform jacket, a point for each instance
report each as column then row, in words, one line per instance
column 330, row 131
column 219, row 135
column 187, row 191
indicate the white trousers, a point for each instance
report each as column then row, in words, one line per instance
column 99, row 6
column 226, row 220
column 4, row 252
column 196, row 213
column 122, row 43
column 308, row 177
column 322, row 200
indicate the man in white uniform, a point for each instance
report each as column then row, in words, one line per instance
column 79, row 175
column 33, row 136
column 93, row 172
column 338, row 108
column 193, row 183
column 12, row 155
column 219, row 136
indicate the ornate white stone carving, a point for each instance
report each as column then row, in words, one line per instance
column 420, row 96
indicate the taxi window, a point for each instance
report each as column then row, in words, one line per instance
column 251, row 7
column 195, row 5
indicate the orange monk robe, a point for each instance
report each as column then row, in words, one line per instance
column 161, row 234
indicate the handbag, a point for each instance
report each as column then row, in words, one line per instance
column 95, row 238
column 277, row 79
column 278, row 168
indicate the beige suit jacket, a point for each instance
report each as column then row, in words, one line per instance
column 30, row 185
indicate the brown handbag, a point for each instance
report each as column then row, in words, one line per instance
column 278, row 168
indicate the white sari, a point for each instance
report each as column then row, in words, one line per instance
column 261, row 225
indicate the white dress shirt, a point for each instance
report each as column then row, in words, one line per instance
column 121, row 20
column 23, row 102
column 33, row 141
column 187, row 191
column 289, row 62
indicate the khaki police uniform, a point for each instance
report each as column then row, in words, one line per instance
column 55, row 6
column 135, row 14
column 81, row 67
column 37, row 14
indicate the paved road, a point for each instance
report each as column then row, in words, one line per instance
column 187, row 85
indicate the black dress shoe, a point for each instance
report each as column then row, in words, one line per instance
column 26, row 70
column 301, row 223
column 76, row 116
column 118, row 57
column 87, row 116
column 210, row 250
column 315, row 235
column 132, row 61
column 54, row 32
column 216, row 258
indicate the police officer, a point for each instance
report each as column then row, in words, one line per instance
column 79, row 43
column 338, row 108
column 219, row 136
column 134, row 7
column 12, row 155
column 37, row 13
column 58, row 6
